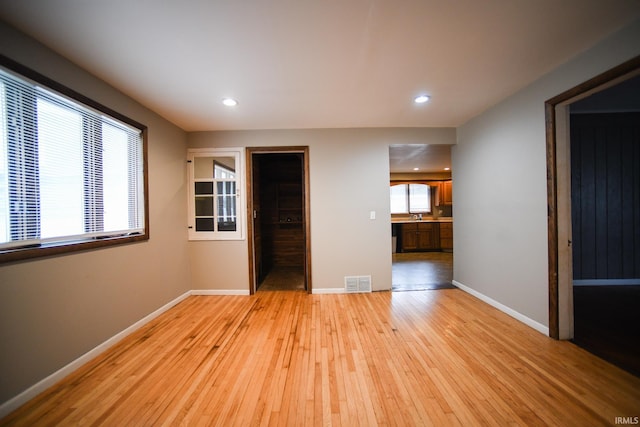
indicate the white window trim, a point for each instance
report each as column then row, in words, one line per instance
column 238, row 154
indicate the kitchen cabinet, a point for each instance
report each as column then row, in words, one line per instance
column 424, row 236
column 445, row 193
column 420, row 236
column 446, row 235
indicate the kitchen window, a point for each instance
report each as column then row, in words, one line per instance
column 410, row 198
column 71, row 174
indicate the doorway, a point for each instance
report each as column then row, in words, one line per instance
column 605, row 210
column 593, row 158
column 421, row 217
column 278, row 208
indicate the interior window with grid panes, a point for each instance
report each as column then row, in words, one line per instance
column 215, row 196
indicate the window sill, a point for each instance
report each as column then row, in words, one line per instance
column 51, row 249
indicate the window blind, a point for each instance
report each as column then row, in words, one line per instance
column 68, row 172
column 410, row 198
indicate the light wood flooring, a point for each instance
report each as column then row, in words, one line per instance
column 384, row 358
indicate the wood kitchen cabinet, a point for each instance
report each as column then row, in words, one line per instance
column 445, row 193
column 409, row 237
column 420, row 236
column 446, row 235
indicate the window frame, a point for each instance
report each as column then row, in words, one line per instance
column 240, row 209
column 45, row 249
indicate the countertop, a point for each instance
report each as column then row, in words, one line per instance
column 411, row 221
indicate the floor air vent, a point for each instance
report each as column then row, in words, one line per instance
column 356, row 284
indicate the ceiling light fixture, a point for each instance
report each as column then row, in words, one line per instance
column 447, row 169
column 229, row 102
column 416, row 169
column 421, row 99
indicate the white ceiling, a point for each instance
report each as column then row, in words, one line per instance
column 427, row 158
column 318, row 64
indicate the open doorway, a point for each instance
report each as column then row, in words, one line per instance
column 278, row 209
column 593, row 146
column 421, row 217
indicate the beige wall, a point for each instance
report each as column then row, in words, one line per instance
column 54, row 310
column 500, row 199
column 349, row 177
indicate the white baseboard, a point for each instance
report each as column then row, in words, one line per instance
column 327, row 290
column 511, row 312
column 14, row 403
column 220, row 292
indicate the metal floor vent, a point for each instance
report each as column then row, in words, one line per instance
column 357, row 284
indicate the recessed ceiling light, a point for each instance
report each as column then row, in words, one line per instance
column 230, row 102
column 416, row 169
column 421, row 99
column 447, row 169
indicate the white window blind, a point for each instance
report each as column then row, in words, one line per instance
column 68, row 172
column 410, row 198
column 419, row 198
column 399, row 200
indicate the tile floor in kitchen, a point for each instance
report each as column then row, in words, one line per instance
column 417, row 271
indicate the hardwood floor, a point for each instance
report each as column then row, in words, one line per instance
column 385, row 358
column 419, row 271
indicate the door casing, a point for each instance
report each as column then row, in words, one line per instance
column 250, row 151
column 559, row 193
